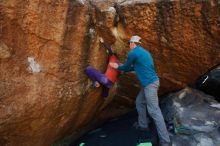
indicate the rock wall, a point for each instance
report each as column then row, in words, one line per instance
column 45, row 46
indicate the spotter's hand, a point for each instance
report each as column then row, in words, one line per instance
column 114, row 65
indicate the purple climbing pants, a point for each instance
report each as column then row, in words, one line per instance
column 96, row 75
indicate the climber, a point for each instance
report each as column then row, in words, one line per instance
column 109, row 78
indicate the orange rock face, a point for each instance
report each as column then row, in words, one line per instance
column 45, row 46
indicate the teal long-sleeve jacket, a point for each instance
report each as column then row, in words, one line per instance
column 141, row 62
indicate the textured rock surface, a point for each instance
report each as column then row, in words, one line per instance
column 47, row 44
column 195, row 116
column 4, row 51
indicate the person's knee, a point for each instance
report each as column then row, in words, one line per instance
column 140, row 106
column 104, row 80
column 153, row 112
column 88, row 68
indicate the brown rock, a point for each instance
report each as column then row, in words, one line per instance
column 39, row 106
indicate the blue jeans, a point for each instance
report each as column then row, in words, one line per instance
column 148, row 99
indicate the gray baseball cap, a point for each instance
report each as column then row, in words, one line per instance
column 135, row 39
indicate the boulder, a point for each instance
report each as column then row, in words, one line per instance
column 44, row 92
column 192, row 117
column 210, row 82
